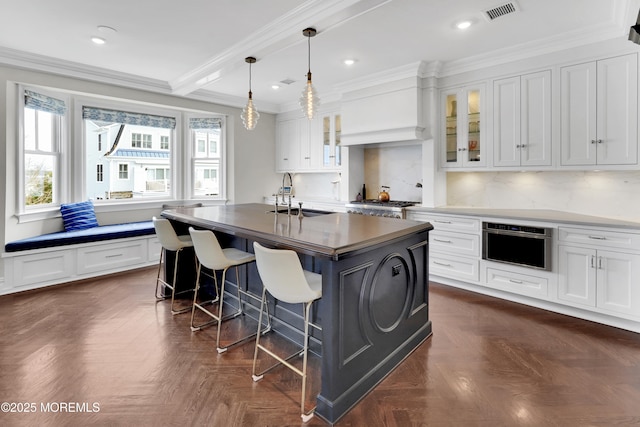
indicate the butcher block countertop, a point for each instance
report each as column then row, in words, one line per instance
column 333, row 235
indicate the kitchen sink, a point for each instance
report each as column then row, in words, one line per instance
column 305, row 212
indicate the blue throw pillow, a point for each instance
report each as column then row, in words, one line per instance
column 78, row 216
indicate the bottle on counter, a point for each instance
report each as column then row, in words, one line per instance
column 359, row 197
column 364, row 192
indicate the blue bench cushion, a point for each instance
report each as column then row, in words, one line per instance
column 94, row 234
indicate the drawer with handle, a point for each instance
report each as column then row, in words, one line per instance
column 455, row 243
column 604, row 238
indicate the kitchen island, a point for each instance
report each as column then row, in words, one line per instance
column 374, row 308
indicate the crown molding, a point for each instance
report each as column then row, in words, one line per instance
column 65, row 68
column 568, row 40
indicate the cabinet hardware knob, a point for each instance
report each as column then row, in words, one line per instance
column 593, row 261
column 593, row 141
column 517, row 282
column 599, row 141
column 600, row 267
column 597, row 237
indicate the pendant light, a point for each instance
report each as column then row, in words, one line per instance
column 249, row 114
column 309, row 100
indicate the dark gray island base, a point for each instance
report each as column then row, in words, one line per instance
column 374, row 309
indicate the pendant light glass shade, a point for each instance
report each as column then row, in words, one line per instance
column 309, row 100
column 249, row 114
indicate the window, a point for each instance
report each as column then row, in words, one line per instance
column 43, row 120
column 122, row 151
column 136, row 140
column 123, row 171
column 158, row 179
column 129, row 171
column 207, row 158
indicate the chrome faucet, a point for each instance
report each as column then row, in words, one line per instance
column 284, row 175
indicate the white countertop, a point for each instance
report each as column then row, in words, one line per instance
column 533, row 215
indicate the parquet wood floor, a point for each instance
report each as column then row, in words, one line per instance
column 488, row 363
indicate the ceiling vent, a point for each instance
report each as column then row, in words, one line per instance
column 287, row 81
column 502, row 10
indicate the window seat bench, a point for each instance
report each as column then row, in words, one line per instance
column 67, row 256
column 94, row 234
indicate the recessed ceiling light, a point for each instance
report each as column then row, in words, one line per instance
column 274, row 87
column 463, row 25
column 349, row 61
column 98, row 40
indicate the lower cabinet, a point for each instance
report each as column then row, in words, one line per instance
column 454, row 245
column 505, row 279
column 595, row 275
column 44, row 267
column 599, row 278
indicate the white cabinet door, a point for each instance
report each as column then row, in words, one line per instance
column 617, row 275
column 599, row 112
column 287, row 145
column 578, row 114
column 522, row 120
column 506, row 122
column 306, row 154
column 535, row 119
column 577, row 275
column 617, row 112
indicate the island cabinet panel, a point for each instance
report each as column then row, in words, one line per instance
column 374, row 308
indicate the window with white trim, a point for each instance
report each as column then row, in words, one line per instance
column 123, row 171
column 43, row 122
column 206, row 136
column 114, row 163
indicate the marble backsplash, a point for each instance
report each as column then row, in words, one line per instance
column 399, row 168
column 611, row 194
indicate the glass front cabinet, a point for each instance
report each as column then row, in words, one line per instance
column 463, row 135
column 331, row 148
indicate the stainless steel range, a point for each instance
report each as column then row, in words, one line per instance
column 390, row 209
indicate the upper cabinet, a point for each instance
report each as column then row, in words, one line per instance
column 331, row 139
column 288, row 135
column 463, row 133
column 599, row 112
column 304, row 145
column 522, row 120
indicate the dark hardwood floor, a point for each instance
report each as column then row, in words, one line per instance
column 488, row 363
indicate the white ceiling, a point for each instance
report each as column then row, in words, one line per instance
column 177, row 47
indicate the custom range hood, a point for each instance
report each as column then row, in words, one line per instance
column 385, row 108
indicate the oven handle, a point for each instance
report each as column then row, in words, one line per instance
column 487, row 231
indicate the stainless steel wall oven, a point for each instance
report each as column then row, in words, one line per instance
column 517, row 244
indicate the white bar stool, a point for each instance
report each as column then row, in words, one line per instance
column 210, row 254
column 170, row 241
column 282, row 275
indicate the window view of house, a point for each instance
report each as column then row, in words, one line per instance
column 135, row 162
